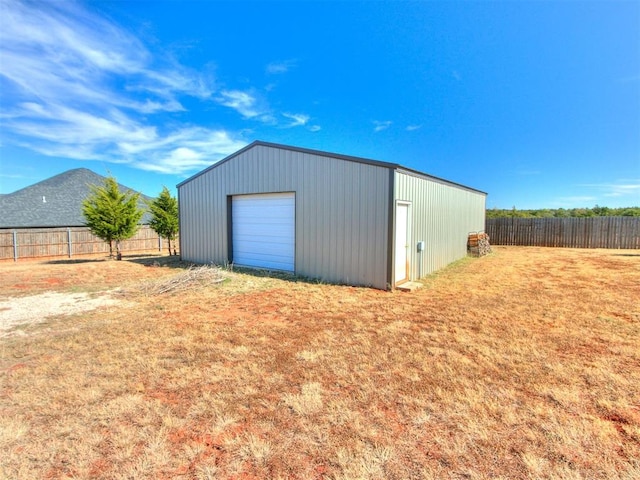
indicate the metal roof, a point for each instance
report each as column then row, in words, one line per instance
column 349, row 158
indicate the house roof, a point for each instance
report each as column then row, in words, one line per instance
column 54, row 202
column 348, row 158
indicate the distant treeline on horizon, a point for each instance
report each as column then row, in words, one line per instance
column 564, row 212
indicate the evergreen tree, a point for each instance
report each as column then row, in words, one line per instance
column 164, row 211
column 112, row 215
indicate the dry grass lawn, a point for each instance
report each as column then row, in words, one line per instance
column 524, row 364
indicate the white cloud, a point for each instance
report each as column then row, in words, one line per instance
column 199, row 148
column 381, row 125
column 75, row 85
column 621, row 193
column 247, row 104
column 280, row 67
column 620, row 188
column 315, row 128
column 243, row 102
column 297, row 119
column 79, row 135
column 411, row 128
column 59, row 50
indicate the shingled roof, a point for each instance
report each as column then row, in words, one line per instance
column 54, row 202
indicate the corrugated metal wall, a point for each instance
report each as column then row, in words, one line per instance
column 342, row 210
column 442, row 215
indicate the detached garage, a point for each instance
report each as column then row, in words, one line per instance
column 322, row 215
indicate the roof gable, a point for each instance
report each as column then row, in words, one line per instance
column 320, row 153
column 348, row 158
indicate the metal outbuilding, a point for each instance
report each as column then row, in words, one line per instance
column 336, row 218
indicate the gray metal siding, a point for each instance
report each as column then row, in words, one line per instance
column 342, row 211
column 442, row 216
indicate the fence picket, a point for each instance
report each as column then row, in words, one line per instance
column 68, row 242
column 589, row 232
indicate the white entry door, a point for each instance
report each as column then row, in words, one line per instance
column 263, row 230
column 402, row 259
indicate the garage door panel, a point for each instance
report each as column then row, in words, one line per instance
column 263, row 229
column 263, row 248
column 265, row 222
column 277, row 232
column 250, row 243
column 273, row 262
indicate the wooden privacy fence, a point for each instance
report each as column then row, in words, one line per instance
column 584, row 232
column 71, row 241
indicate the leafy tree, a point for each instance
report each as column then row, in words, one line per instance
column 112, row 215
column 164, row 211
column 630, row 212
column 601, row 211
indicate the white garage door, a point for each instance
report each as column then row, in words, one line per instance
column 263, row 230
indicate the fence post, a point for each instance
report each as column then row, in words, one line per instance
column 69, row 240
column 159, row 243
column 15, row 246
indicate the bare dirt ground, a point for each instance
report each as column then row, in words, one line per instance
column 524, row 364
column 20, row 311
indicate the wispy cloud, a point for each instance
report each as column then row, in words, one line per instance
column 411, row 128
column 65, row 132
column 315, row 128
column 76, row 85
column 381, row 125
column 297, row 119
column 59, row 49
column 279, row 67
column 244, row 103
column 620, row 188
column 198, row 148
column 623, row 192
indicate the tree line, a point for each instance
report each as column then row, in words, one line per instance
column 114, row 216
column 596, row 211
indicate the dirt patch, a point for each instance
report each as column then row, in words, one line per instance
column 22, row 311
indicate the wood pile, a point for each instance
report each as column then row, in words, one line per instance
column 478, row 244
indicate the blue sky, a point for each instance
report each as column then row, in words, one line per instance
column 536, row 103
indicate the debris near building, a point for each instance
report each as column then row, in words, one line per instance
column 191, row 278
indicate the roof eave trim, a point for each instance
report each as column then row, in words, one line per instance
column 417, row 173
column 218, row 163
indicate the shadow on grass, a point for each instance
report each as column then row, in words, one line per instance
column 626, row 255
column 151, row 260
column 265, row 273
column 147, row 259
column 73, row 261
column 289, row 277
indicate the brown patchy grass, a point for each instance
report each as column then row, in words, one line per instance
column 524, row 364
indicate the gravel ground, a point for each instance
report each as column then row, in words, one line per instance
column 15, row 312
